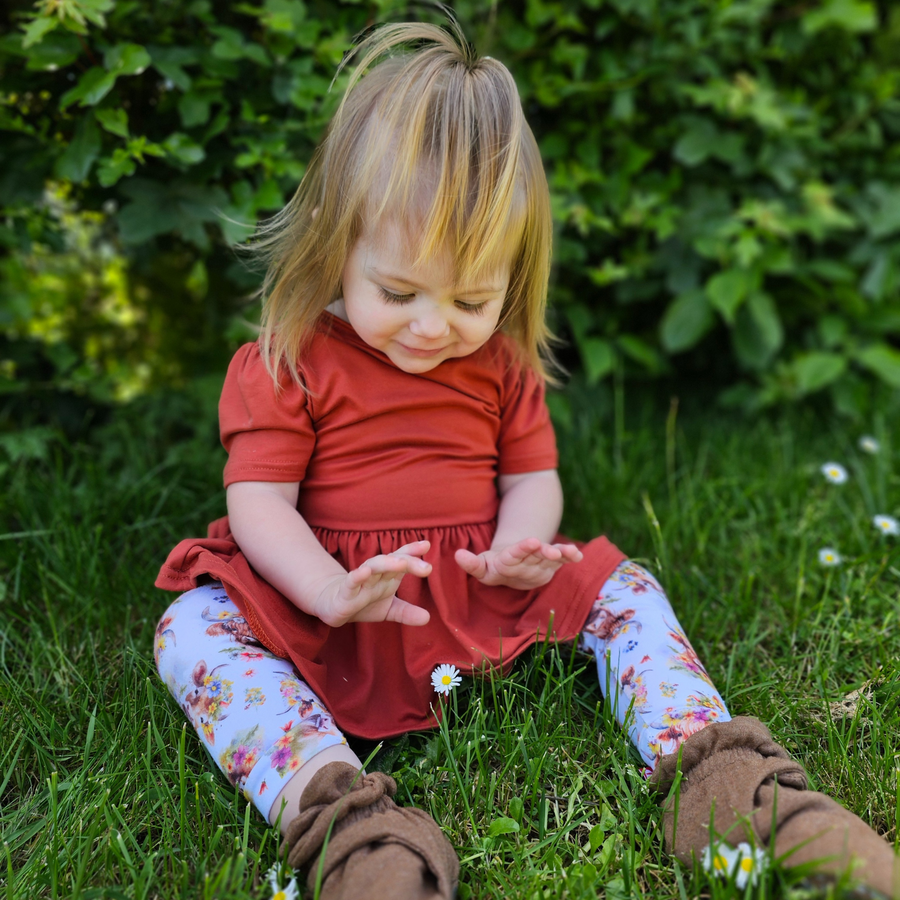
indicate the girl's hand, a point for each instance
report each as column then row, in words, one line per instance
column 369, row 593
column 525, row 565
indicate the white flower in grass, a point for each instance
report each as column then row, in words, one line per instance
column 834, row 472
column 868, row 444
column 886, row 524
column 289, row 892
column 444, row 678
column 829, row 557
column 742, row 863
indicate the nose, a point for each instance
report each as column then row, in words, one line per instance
column 430, row 324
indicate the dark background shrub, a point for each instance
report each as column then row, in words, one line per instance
column 725, row 180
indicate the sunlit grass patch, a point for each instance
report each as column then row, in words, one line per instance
column 107, row 793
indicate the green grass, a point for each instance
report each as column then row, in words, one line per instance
column 106, row 793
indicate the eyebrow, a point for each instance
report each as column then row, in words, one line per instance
column 402, row 279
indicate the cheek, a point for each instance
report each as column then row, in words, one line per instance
column 383, row 317
column 476, row 333
column 376, row 320
column 482, row 327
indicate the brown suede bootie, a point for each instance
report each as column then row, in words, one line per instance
column 737, row 778
column 376, row 849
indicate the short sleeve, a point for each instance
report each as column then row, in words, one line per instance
column 527, row 441
column 269, row 436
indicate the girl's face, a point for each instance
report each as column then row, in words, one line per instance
column 417, row 316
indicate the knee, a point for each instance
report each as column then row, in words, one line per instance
column 185, row 623
column 164, row 639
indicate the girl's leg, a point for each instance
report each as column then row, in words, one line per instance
column 646, row 665
column 270, row 734
column 289, row 796
column 262, row 725
column 736, row 781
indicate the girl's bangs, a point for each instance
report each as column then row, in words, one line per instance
column 441, row 151
column 443, row 211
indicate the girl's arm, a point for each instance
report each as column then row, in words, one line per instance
column 531, row 505
column 529, row 516
column 283, row 549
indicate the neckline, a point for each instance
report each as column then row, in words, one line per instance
column 332, row 318
column 336, row 317
column 348, row 332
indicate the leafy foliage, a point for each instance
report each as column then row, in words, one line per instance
column 724, row 179
column 724, row 182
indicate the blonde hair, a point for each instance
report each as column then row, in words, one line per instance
column 439, row 134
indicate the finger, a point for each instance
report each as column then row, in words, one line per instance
column 528, row 569
column 528, row 560
column 416, row 548
column 416, row 566
column 523, row 549
column 392, row 564
column 364, row 588
column 406, row 614
column 551, row 552
column 358, row 577
column 476, row 566
column 570, row 552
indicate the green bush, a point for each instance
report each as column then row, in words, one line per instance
column 725, row 181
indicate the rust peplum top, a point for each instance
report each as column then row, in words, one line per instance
column 384, row 458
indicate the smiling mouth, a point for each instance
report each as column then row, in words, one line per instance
column 415, row 351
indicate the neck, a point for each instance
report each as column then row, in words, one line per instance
column 336, row 308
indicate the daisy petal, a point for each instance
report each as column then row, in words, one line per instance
column 290, row 891
column 742, row 863
column 834, row 472
column 444, row 678
column 829, row 557
column 868, row 444
column 886, row 524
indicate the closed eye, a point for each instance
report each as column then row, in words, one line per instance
column 391, row 297
column 475, row 309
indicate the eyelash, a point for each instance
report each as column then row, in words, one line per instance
column 476, row 309
column 399, row 299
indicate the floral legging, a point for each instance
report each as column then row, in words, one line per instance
column 260, row 722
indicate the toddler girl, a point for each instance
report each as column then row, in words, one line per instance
column 393, row 501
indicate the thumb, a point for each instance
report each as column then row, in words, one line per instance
column 405, row 613
column 476, row 566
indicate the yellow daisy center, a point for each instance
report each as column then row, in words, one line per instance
column 747, row 864
column 720, row 863
column 446, row 679
column 281, row 895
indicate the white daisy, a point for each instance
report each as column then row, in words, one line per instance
column 829, row 557
column 886, row 524
column 868, row 444
column 742, row 863
column 289, row 892
column 444, row 678
column 834, row 472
